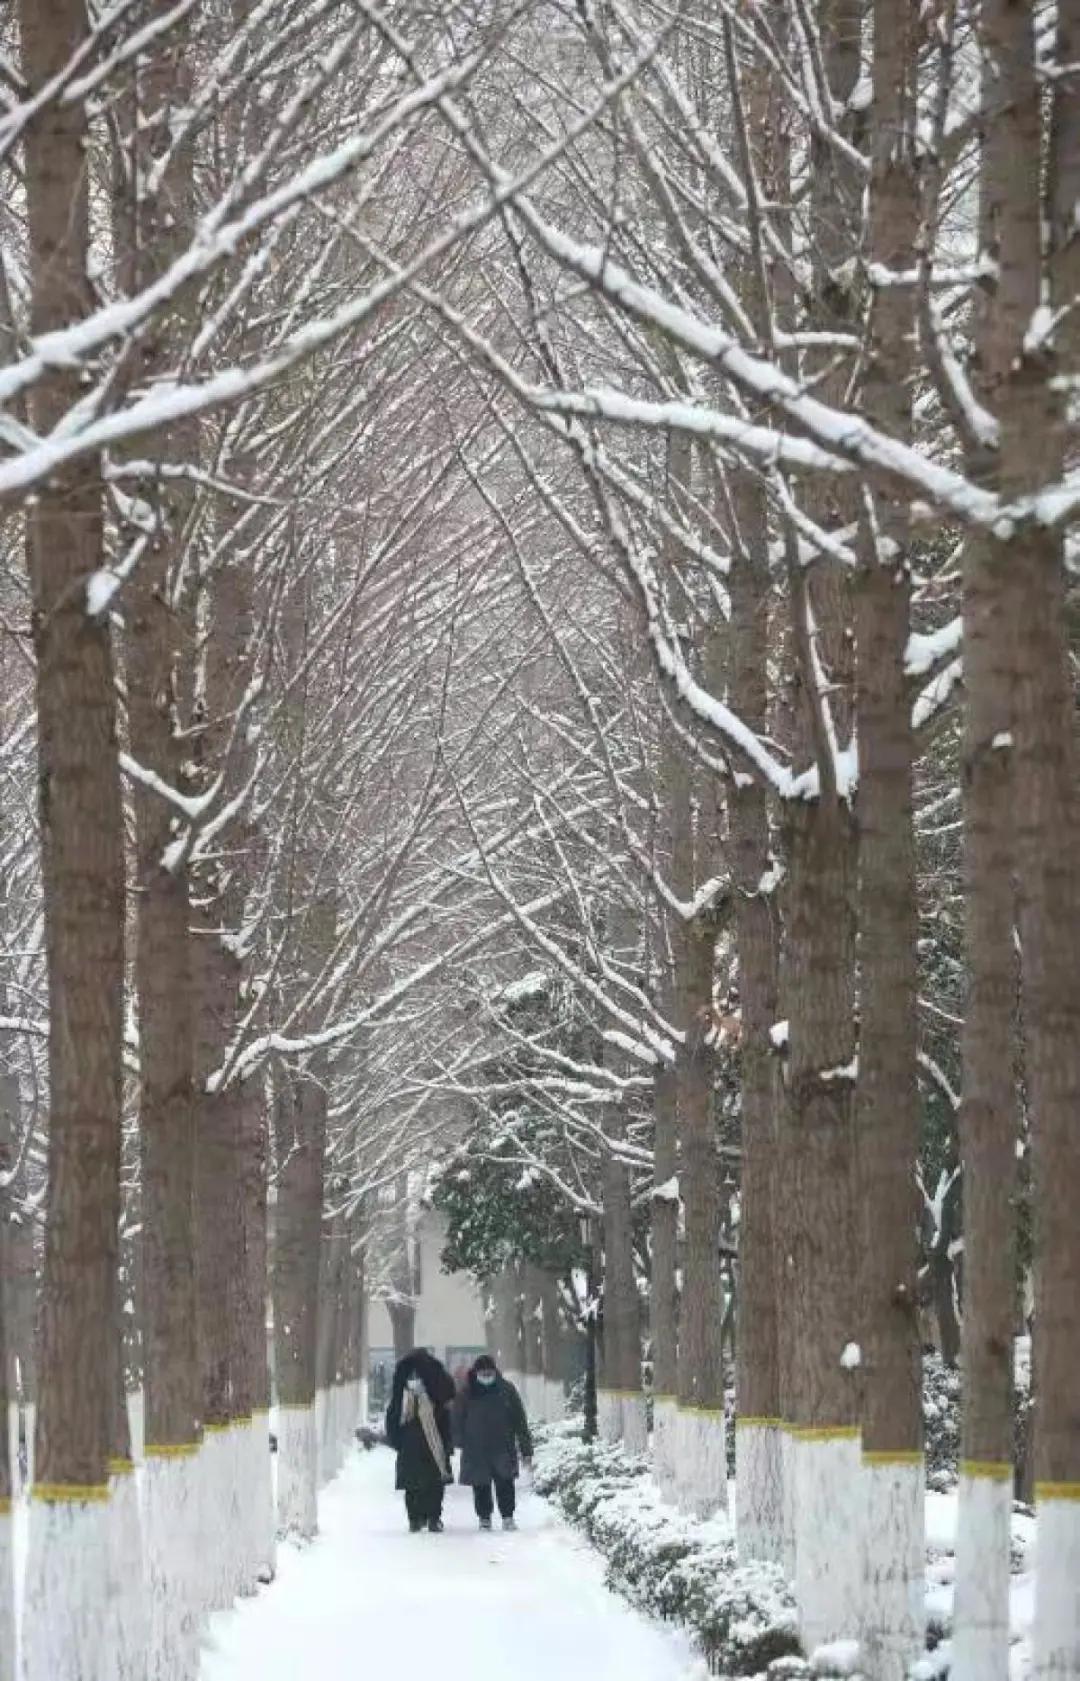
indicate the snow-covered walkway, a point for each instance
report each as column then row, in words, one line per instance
column 368, row 1598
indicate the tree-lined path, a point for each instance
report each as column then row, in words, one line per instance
column 369, row 1598
column 540, row 681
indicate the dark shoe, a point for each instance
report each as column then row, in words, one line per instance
column 435, row 1525
column 415, row 1526
column 485, row 1523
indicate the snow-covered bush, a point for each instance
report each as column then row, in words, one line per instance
column 941, row 1421
column 672, row 1566
column 942, row 1411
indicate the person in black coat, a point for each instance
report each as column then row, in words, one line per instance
column 489, row 1428
column 418, row 1429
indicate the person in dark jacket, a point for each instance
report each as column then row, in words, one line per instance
column 489, row 1427
column 418, row 1429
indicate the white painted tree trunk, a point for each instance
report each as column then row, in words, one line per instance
column 701, row 1461
column 354, row 1417
column 13, row 1445
column 893, row 1625
column 555, row 1401
column 297, row 1503
column 67, row 1628
column 337, row 1429
column 1056, row 1631
column 136, row 1411
column 247, row 1505
column 344, row 1422
column 827, row 1512
column 263, row 1524
column 665, row 1447
column 787, row 1501
column 174, row 1577
column 759, row 1489
column 323, row 1471
column 980, row 1641
column 218, row 1518
column 635, row 1427
column 516, row 1378
column 8, row 1655
column 235, row 1454
column 609, row 1415
column 127, row 1580
column 30, row 1426
column 534, row 1396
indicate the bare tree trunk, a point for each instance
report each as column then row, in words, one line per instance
column 18, row 1273
column 677, row 839
column 128, row 1609
column 758, row 1458
column 402, row 1305
column 887, row 1111
column 620, row 1403
column 300, row 1125
column 515, row 1352
column 1048, row 869
column 820, row 987
column 219, row 1239
column 7, row 1481
column 83, row 877
column 251, row 1367
column 988, row 1113
column 505, row 1319
column 554, row 1395
column 663, row 1293
column 702, row 1459
column 333, row 1309
column 232, row 1116
column 533, row 1333
column 147, row 235
column 403, row 1323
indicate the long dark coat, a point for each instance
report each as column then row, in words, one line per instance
column 489, row 1427
column 416, row 1469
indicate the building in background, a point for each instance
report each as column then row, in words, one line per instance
column 448, row 1312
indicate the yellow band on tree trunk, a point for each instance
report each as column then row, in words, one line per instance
column 1057, row 1491
column 60, row 1494
column 824, row 1432
column 987, row 1470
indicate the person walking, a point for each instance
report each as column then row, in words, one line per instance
column 489, row 1427
column 418, row 1429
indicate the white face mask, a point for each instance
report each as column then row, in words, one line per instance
column 485, row 1379
column 414, row 1385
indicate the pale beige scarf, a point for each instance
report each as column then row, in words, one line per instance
column 417, row 1404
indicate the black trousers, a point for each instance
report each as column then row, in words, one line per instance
column 505, row 1494
column 423, row 1504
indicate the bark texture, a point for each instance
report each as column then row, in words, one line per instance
column 80, row 810
column 887, row 1103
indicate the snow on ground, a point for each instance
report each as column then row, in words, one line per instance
column 942, row 1511
column 367, row 1595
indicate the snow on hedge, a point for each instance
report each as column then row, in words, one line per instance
column 743, row 1616
column 672, row 1566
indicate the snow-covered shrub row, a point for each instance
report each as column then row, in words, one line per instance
column 672, row 1566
